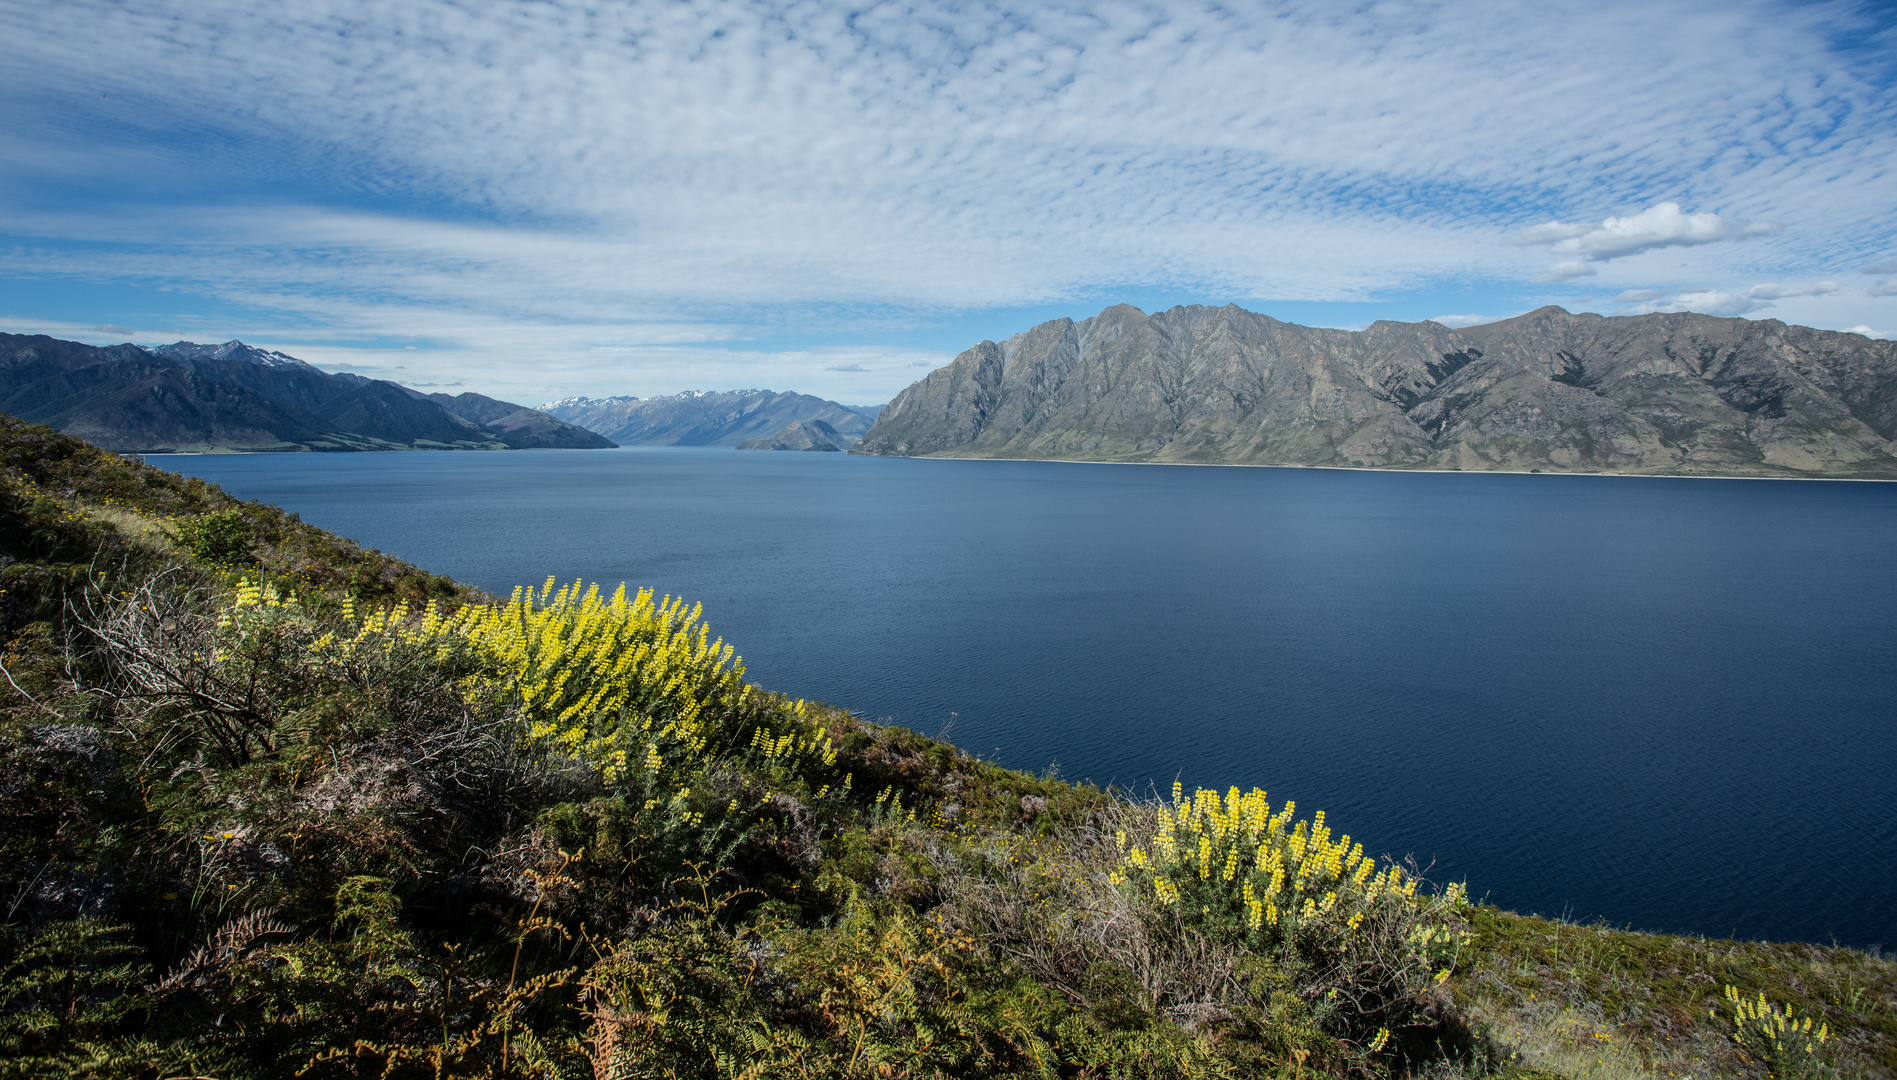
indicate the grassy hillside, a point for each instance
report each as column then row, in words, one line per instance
column 280, row 806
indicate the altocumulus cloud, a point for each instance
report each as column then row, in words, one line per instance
column 584, row 190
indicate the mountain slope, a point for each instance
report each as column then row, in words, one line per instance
column 802, row 435
column 1688, row 394
column 187, row 396
column 714, row 418
column 124, row 398
column 519, row 427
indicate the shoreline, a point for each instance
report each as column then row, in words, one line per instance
column 1084, row 461
column 1374, row 469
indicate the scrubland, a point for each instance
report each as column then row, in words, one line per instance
column 279, row 806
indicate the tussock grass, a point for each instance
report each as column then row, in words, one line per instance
column 1657, row 992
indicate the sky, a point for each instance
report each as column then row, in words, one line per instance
column 537, row 200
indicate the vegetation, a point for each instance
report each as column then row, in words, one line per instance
column 279, row 806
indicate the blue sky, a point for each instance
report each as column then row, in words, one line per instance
column 536, row 200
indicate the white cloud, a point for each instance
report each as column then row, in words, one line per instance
column 1889, row 266
column 1567, row 271
column 1881, row 288
column 557, row 178
column 1775, row 291
column 1715, row 302
column 1704, row 301
column 1656, row 227
column 1710, row 301
column 1867, row 332
column 1459, row 321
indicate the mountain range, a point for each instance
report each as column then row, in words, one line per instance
column 1549, row 390
column 191, row 397
column 709, row 418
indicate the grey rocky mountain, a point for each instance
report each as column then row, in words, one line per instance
column 1550, row 390
column 802, row 435
column 187, row 396
column 708, row 418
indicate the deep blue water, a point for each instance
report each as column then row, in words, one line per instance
column 1663, row 703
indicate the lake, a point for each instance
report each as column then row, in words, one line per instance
column 1665, row 703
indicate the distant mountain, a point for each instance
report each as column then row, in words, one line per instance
column 187, row 396
column 803, row 435
column 1679, row 394
column 708, row 418
column 518, row 426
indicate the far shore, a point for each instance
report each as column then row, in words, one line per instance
column 1065, row 461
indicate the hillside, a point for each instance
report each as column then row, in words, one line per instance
column 191, row 397
column 803, row 435
column 281, row 806
column 699, row 418
column 1679, row 394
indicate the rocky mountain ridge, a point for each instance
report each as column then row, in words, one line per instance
column 708, row 417
column 191, row 397
column 1550, row 390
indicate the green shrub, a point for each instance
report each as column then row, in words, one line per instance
column 221, row 538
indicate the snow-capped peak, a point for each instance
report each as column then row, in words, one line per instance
column 583, row 400
column 187, row 351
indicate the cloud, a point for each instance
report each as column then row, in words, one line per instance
column 846, row 367
column 1713, row 302
column 1867, row 332
column 1881, row 288
column 1567, row 271
column 1780, row 292
column 587, row 181
column 1888, row 266
column 90, row 333
column 1709, row 301
column 1459, row 321
column 1656, row 227
column 1704, row 301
